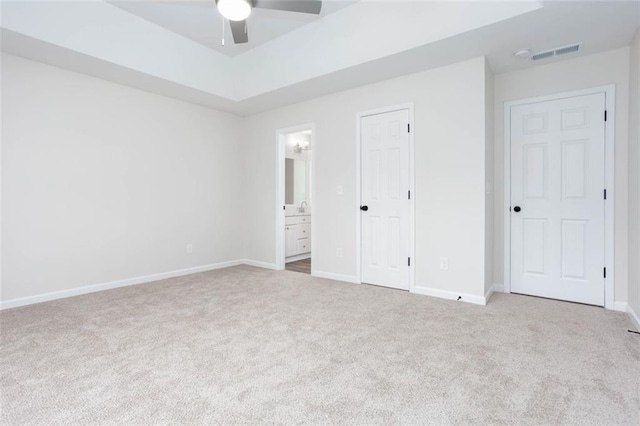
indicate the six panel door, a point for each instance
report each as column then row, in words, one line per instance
column 385, row 185
column 557, row 184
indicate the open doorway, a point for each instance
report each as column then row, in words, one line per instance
column 295, row 198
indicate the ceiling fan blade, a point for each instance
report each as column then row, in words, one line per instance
column 239, row 31
column 302, row 6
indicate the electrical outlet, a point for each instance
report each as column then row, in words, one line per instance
column 189, row 248
column 340, row 190
column 339, row 252
column 444, row 263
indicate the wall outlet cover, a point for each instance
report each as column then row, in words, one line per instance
column 444, row 263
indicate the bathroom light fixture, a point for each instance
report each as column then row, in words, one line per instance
column 234, row 10
column 297, row 148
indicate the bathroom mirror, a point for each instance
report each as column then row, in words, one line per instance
column 295, row 181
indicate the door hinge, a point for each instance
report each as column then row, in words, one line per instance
column 284, row 207
column 408, row 261
column 605, row 194
column 408, row 127
column 409, row 194
column 605, row 272
column 605, row 115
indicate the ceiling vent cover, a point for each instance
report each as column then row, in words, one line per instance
column 574, row 48
column 543, row 55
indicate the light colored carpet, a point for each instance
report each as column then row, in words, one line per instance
column 245, row 346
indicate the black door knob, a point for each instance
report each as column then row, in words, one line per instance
column 364, row 208
column 517, row 209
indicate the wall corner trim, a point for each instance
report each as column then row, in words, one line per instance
column 493, row 289
column 498, row 288
column 625, row 307
column 634, row 317
column 620, row 306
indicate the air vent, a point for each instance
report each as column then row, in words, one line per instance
column 574, row 48
column 569, row 49
column 543, row 55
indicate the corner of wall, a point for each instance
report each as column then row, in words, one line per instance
column 243, row 138
column 634, row 175
column 489, row 165
column 1, row 168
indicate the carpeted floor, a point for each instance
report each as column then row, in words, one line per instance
column 246, row 346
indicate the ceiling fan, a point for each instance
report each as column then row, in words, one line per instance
column 237, row 11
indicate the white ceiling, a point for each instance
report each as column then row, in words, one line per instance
column 598, row 25
column 201, row 22
column 365, row 42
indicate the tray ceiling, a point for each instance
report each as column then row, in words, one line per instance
column 201, row 22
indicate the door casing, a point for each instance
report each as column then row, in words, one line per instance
column 609, row 91
column 408, row 106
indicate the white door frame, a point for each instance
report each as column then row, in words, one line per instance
column 280, row 152
column 609, row 167
column 359, row 116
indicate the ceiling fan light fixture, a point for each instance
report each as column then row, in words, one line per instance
column 234, row 10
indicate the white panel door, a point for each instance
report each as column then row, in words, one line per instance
column 557, row 199
column 385, row 199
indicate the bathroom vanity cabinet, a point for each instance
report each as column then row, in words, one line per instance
column 297, row 231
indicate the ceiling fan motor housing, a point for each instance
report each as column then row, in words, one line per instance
column 237, row 11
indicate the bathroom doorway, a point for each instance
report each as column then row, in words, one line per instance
column 294, row 224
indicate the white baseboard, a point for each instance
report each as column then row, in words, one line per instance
column 634, row 318
column 496, row 288
column 488, row 294
column 336, row 277
column 30, row 300
column 619, row 306
column 259, row 264
column 624, row 307
column 444, row 294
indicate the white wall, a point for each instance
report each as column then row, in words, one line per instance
column 450, row 174
column 1, row 182
column 82, row 199
column 580, row 73
column 634, row 176
column 101, row 182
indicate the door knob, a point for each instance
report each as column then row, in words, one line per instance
column 364, row 208
column 517, row 209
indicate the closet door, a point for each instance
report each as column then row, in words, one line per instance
column 385, row 199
